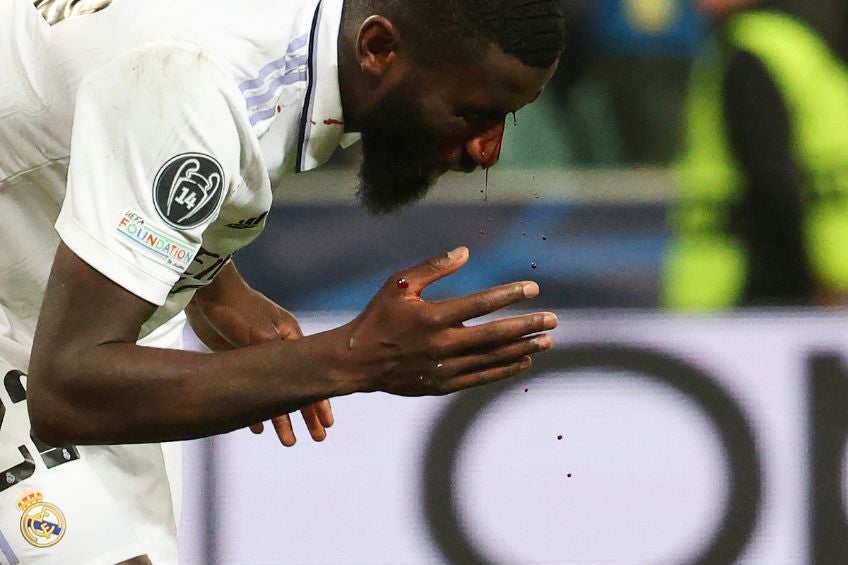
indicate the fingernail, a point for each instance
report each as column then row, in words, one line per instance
column 456, row 254
column 543, row 343
column 526, row 364
column 531, row 290
column 550, row 320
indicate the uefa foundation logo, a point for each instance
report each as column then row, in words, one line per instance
column 42, row 523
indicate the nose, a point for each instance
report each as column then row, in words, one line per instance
column 486, row 147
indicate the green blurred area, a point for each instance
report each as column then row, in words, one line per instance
column 624, row 112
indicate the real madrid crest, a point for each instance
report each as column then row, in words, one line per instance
column 42, row 523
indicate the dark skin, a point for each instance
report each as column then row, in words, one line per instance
column 95, row 386
column 228, row 314
column 467, row 102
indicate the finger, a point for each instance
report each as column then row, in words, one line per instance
column 486, row 376
column 499, row 332
column 325, row 413
column 257, row 428
column 504, row 355
column 264, row 333
column 313, row 424
column 288, row 330
column 283, row 426
column 468, row 307
column 424, row 274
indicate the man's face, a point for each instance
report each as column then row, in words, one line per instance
column 439, row 119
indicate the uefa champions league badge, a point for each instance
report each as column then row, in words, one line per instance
column 42, row 523
column 187, row 189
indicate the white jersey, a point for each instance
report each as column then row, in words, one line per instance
column 146, row 133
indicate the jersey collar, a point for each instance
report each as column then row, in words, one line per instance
column 322, row 122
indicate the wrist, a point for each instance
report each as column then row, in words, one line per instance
column 331, row 357
column 226, row 285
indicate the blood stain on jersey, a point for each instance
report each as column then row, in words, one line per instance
column 42, row 523
column 188, row 189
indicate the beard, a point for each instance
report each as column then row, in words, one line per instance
column 401, row 154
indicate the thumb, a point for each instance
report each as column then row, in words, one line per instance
column 424, row 274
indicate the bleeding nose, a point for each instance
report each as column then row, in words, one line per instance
column 486, row 147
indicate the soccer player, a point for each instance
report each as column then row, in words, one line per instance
column 147, row 133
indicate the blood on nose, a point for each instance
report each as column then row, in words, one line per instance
column 486, row 147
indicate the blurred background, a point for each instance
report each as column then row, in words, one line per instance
column 689, row 153
column 583, row 189
column 688, row 158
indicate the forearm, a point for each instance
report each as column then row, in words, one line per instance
column 89, row 382
column 225, row 285
column 123, row 393
column 229, row 313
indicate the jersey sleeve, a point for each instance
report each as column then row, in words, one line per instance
column 155, row 151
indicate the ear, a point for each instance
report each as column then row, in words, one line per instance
column 377, row 46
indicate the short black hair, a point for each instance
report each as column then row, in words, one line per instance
column 442, row 31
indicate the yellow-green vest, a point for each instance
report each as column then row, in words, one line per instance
column 706, row 265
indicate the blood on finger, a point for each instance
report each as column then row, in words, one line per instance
column 402, row 284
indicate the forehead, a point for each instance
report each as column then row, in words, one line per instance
column 496, row 81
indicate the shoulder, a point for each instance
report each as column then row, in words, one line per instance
column 171, row 64
column 166, row 84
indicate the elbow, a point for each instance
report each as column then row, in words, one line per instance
column 51, row 419
column 48, row 432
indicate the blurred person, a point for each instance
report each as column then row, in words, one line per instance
column 640, row 55
column 763, row 214
column 147, row 133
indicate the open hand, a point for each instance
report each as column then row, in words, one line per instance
column 230, row 314
column 402, row 344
